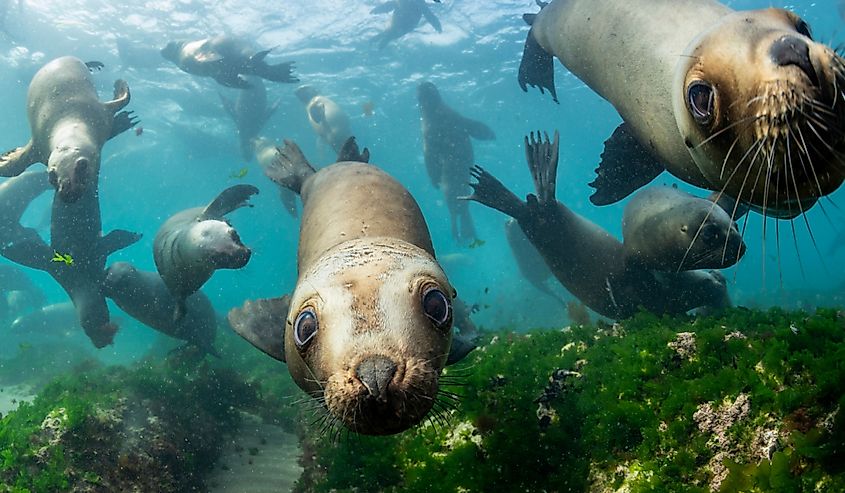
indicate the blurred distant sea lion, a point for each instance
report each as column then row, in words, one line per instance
column 740, row 102
column 531, row 265
column 406, row 16
column 368, row 328
column 227, row 60
column 265, row 153
column 69, row 126
column 326, row 117
column 58, row 318
column 138, row 55
column 250, row 113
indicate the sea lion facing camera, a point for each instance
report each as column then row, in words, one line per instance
column 192, row 244
column 669, row 230
column 368, row 327
column 406, row 16
column 69, row 126
column 326, row 117
column 743, row 103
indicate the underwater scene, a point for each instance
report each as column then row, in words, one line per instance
column 409, row 245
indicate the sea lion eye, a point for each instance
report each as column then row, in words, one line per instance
column 700, row 100
column 437, row 307
column 305, row 327
column 803, row 28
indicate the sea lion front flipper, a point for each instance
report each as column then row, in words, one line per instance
column 477, row 130
column 16, row 161
column 461, row 346
column 262, row 323
column 384, row 8
column 29, row 250
column 542, row 158
column 289, row 169
column 122, row 122
column 488, row 190
column 118, row 239
column 625, row 167
column 431, row 18
column 536, row 69
column 349, row 152
column 94, row 65
column 121, row 96
column 232, row 198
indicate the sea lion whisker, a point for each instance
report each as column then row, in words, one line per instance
column 748, row 119
column 810, row 161
column 757, row 144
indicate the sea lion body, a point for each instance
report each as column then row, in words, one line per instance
column 265, row 153
column 250, row 113
column 326, row 117
column 145, row 297
column 713, row 95
column 15, row 196
column 528, row 260
column 69, row 126
column 449, row 155
column 368, row 327
column 406, row 17
column 669, row 230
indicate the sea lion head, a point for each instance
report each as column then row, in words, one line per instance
column 428, row 95
column 172, row 51
column 368, row 333
column 219, row 243
column 72, row 170
column 704, row 236
column 119, row 275
column 759, row 105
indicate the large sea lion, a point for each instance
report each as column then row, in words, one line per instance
column 448, row 154
column 666, row 229
column 227, row 60
column 326, row 117
column 529, row 261
column 192, row 244
column 265, row 153
column 743, row 103
column 69, row 126
column 145, row 297
column 585, row 258
column 250, row 112
column 368, row 327
column 406, row 16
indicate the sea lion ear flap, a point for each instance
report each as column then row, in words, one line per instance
column 230, row 199
column 262, row 323
column 461, row 346
column 349, row 152
column 625, row 166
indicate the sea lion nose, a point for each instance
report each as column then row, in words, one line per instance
column 789, row 50
column 376, row 373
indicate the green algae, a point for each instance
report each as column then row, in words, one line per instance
column 756, row 405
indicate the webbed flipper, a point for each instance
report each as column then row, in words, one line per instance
column 477, row 130
column 349, row 152
column 122, row 122
column 262, row 323
column 290, row 168
column 542, row 158
column 488, row 190
column 536, row 69
column 16, row 161
column 232, row 198
column 625, row 167
column 116, row 240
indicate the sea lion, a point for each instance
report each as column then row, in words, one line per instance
column 666, row 229
column 265, row 153
column 192, row 244
column 743, row 103
column 368, row 327
column 585, row 258
column 406, row 16
column 227, row 60
column 448, row 154
column 57, row 318
column 327, row 119
column 145, row 297
column 69, row 126
column 15, row 196
column 250, row 112
column 528, row 260
column 17, row 290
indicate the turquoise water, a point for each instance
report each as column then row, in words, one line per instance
column 188, row 149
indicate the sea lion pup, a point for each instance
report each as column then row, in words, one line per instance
column 406, row 17
column 448, row 154
column 328, row 120
column 743, row 103
column 250, row 113
column 227, row 60
column 368, row 327
column 585, row 258
column 69, row 126
column 265, row 153
column 529, row 261
column 192, row 244
column 666, row 229
column 145, row 297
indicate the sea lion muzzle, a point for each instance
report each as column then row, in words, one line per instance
column 790, row 50
column 376, row 373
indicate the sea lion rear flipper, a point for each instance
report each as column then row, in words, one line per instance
column 122, row 122
column 542, row 158
column 232, row 198
column 349, row 152
column 16, row 161
column 384, row 8
column 625, row 167
column 121, row 96
column 281, row 72
column 461, row 346
column 536, row 69
column 289, row 169
column 118, row 239
column 488, row 190
column 94, row 65
column 262, row 323
column 431, row 18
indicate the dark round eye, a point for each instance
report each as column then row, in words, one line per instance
column 803, row 28
column 437, row 307
column 305, row 327
column 700, row 99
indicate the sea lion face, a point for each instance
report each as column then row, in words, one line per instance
column 368, row 332
column 220, row 244
column 71, row 170
column 756, row 103
column 705, row 237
